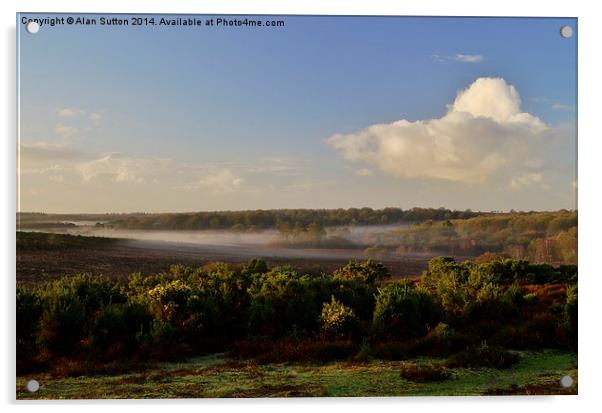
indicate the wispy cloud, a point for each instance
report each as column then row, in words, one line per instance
column 459, row 57
column 216, row 182
column 526, row 180
column 74, row 120
column 95, row 117
column 45, row 152
column 469, row 58
column 562, row 106
column 120, row 170
column 65, row 131
column 554, row 104
column 69, row 112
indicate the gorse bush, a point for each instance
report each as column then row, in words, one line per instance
column 118, row 329
column 171, row 300
column 283, row 302
column 502, row 271
column 338, row 320
column 358, row 296
column 570, row 308
column 470, row 293
column 279, row 314
column 70, row 304
column 365, row 272
column 570, row 314
column 403, row 311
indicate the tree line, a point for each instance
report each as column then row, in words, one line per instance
column 284, row 219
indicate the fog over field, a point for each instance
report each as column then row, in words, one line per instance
column 341, row 242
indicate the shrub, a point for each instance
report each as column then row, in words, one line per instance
column 169, row 301
column 91, row 291
column 256, row 266
column 116, row 330
column 28, row 313
column 504, row 270
column 449, row 280
column 492, row 302
column 283, row 302
column 70, row 306
column 571, row 306
column 163, row 341
column 444, row 267
column 364, row 352
column 483, row 356
column 402, row 311
column 439, row 341
column 194, row 311
column 63, row 325
column 338, row 320
column 355, row 294
column 225, row 299
column 107, row 330
column 423, row 373
column 566, row 332
column 368, row 272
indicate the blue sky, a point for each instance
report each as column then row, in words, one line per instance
column 181, row 119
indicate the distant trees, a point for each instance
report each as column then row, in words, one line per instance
column 285, row 220
column 543, row 237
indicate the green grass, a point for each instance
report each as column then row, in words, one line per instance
column 217, row 376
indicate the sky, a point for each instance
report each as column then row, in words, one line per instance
column 325, row 112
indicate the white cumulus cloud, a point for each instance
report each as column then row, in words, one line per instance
column 483, row 132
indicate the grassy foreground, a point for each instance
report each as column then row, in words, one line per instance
column 218, row 376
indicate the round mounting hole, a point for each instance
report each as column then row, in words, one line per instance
column 566, row 31
column 32, row 386
column 32, row 27
column 566, row 381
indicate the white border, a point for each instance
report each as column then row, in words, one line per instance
column 589, row 198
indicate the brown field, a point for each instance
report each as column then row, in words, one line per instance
column 120, row 258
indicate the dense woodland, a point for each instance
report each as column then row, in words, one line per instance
column 286, row 219
column 257, row 219
column 541, row 237
column 470, row 313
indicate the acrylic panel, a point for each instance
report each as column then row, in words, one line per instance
column 287, row 206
